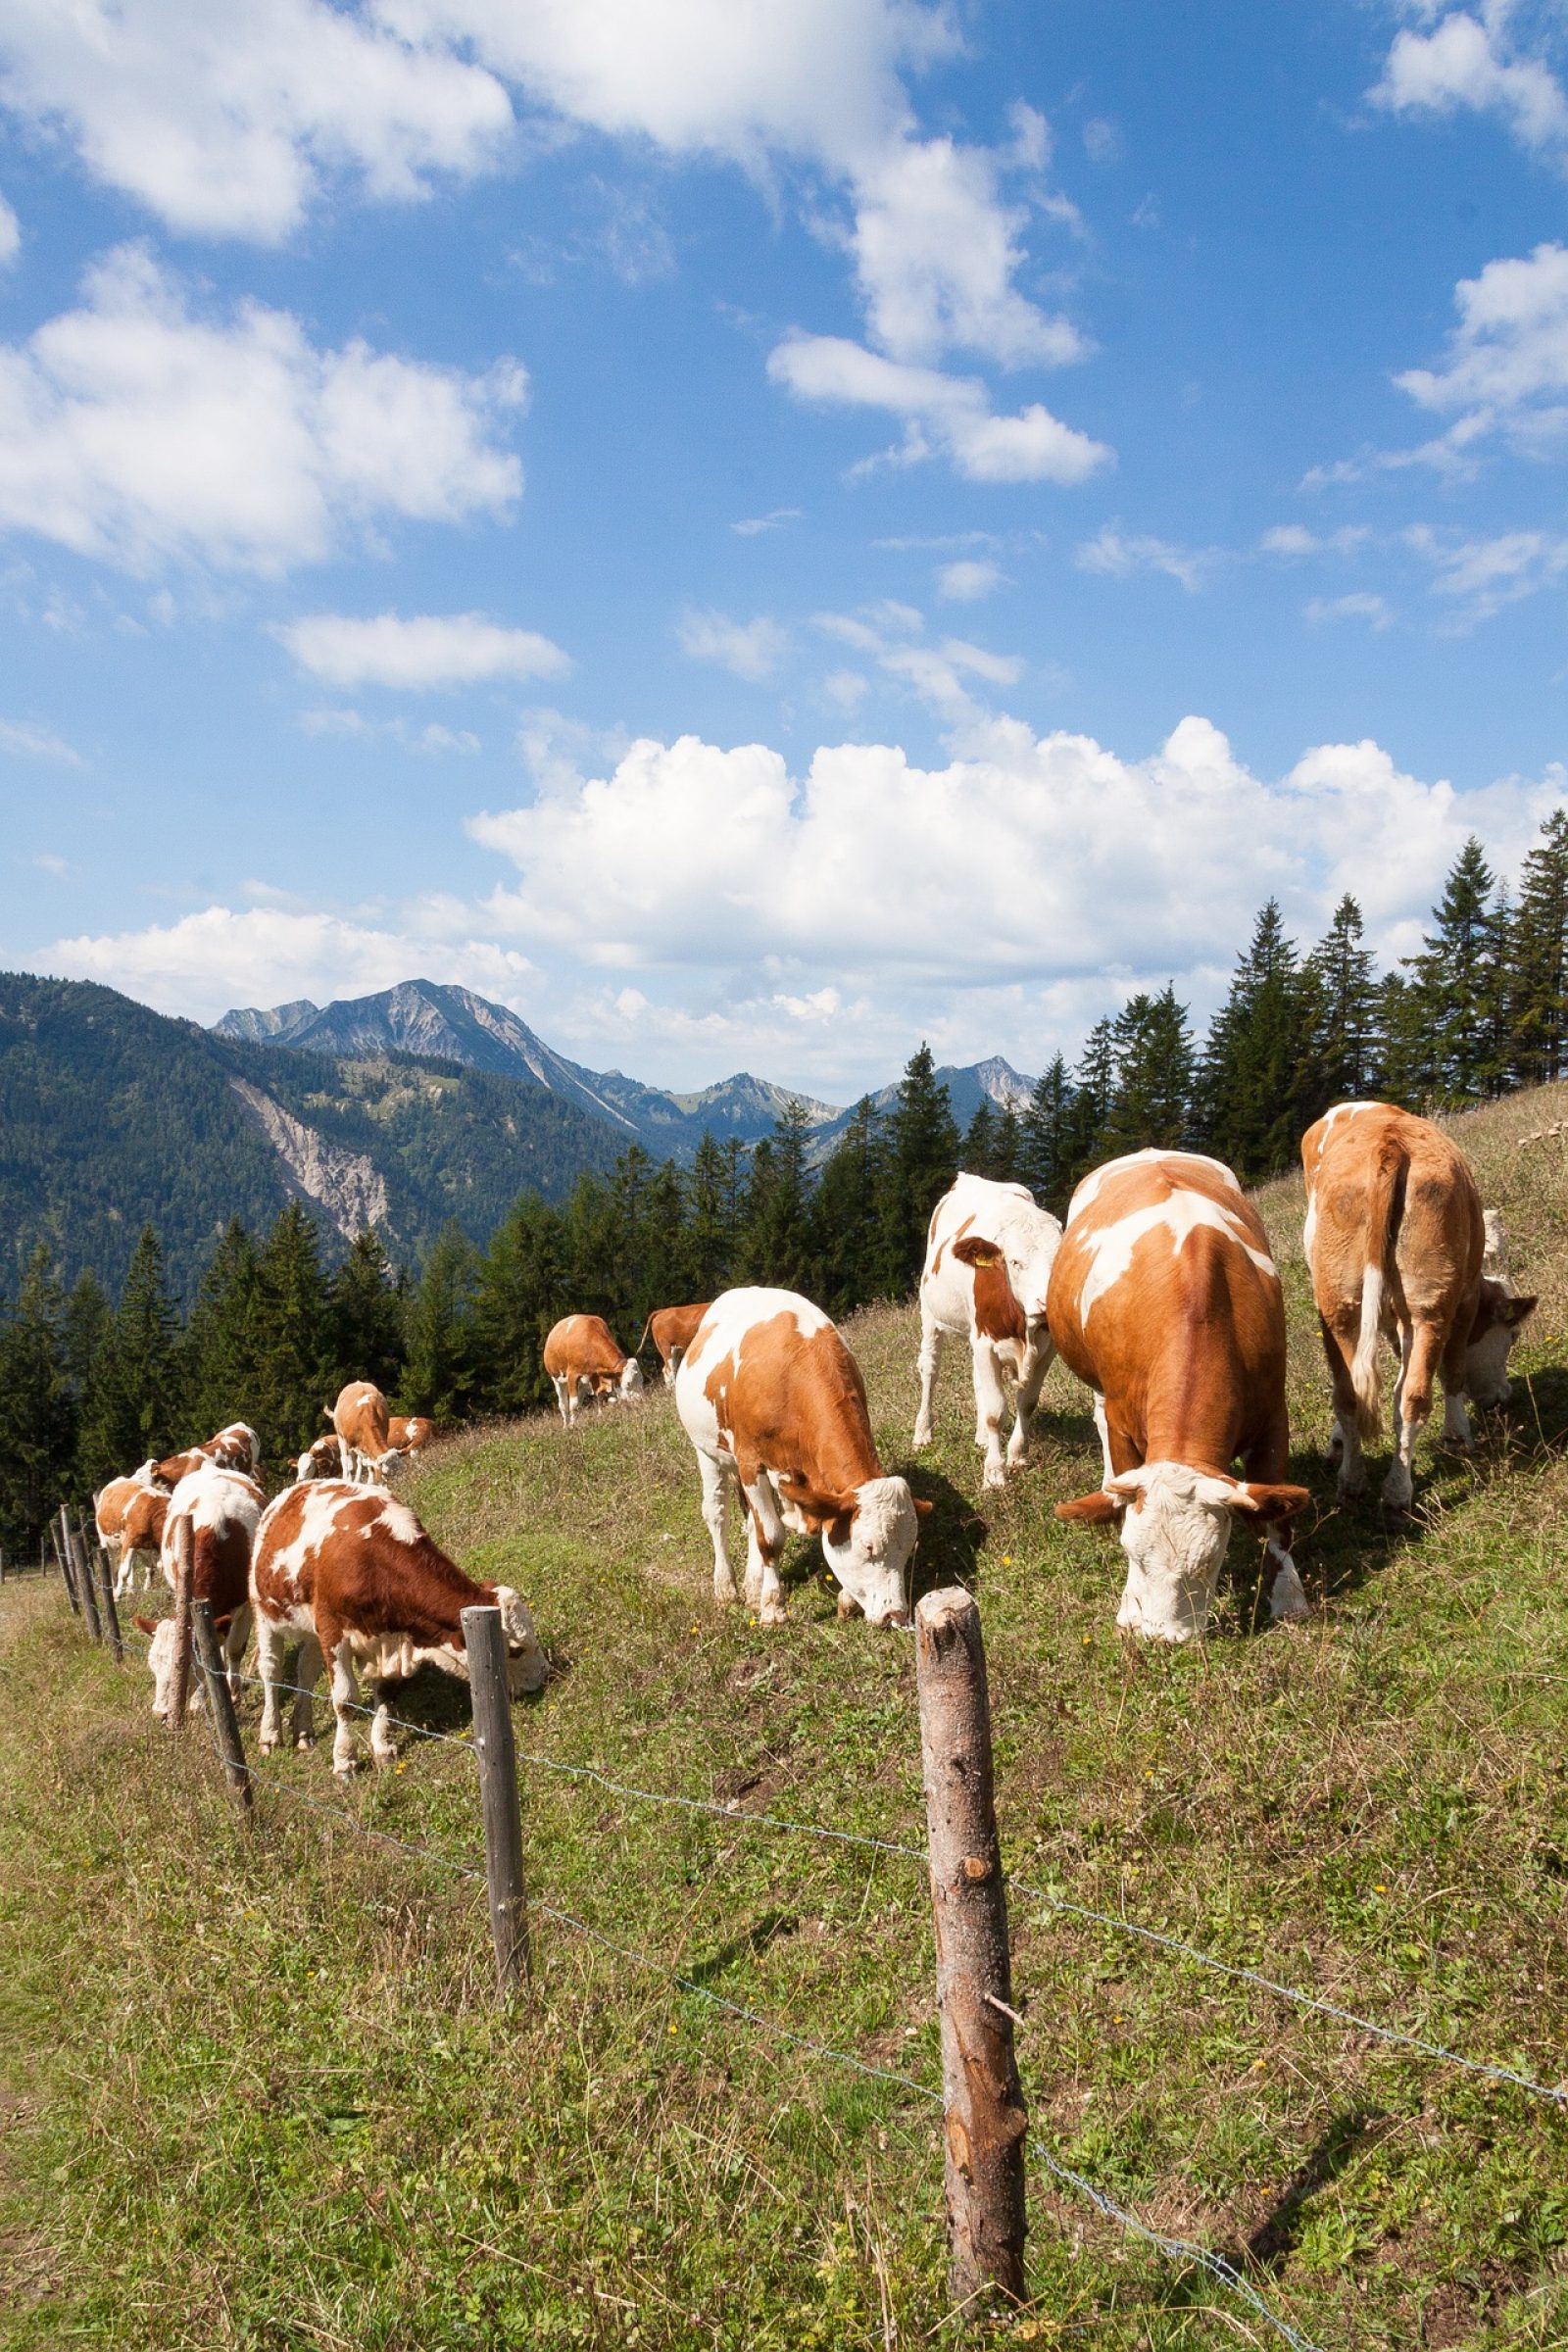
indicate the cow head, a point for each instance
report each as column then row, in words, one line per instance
column 1501, row 1312
column 1175, row 1524
column 527, row 1664
column 159, row 1632
column 868, row 1538
column 631, row 1379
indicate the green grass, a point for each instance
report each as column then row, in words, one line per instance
column 255, row 2090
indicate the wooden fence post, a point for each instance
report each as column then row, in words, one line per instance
column 984, row 2116
column 185, row 1554
column 221, row 1700
column 62, row 1550
column 79, row 1561
column 498, row 1794
column 99, row 1558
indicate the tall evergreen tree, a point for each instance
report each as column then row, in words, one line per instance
column 1540, row 941
column 365, row 1315
column 922, row 1159
column 441, row 1373
column 519, row 1292
column 133, row 1399
column 978, row 1152
column 1048, row 1142
column 1153, row 1052
column 1255, row 1069
column 1008, row 1152
column 216, row 1352
column 38, row 1409
column 777, row 1244
column 712, row 1224
column 845, row 1215
column 1345, row 1043
column 1093, row 1086
column 291, row 1343
column 1454, row 978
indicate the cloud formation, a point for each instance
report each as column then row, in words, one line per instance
column 747, row 649
column 137, row 430
column 1475, row 63
column 427, row 650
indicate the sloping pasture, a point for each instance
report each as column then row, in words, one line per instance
column 254, row 2089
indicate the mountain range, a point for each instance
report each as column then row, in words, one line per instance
column 404, row 1109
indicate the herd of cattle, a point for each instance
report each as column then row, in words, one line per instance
column 1160, row 1293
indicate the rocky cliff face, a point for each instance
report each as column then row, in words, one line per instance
column 343, row 1183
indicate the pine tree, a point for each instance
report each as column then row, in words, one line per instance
column 1008, row 1155
column 1094, row 1086
column 845, row 1215
column 89, row 1315
column 440, row 1377
column 1540, row 1044
column 519, row 1292
column 777, row 1242
column 365, row 1316
column 1047, row 1156
column 290, row 1343
column 1151, row 1049
column 922, row 1159
column 1453, row 981
column 216, row 1358
column 1345, row 1043
column 978, row 1152
column 132, row 1403
column 711, row 1223
column 37, row 1410
column 1256, row 1065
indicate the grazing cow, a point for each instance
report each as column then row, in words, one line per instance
column 141, row 1536
column 108, row 1507
column 175, row 1466
column 323, row 1459
column 771, row 1398
column 583, row 1361
column 359, row 1579
column 364, row 1429
column 672, row 1330
column 1397, row 1247
column 1165, row 1299
column 409, row 1433
column 221, row 1509
column 236, row 1447
column 988, row 1259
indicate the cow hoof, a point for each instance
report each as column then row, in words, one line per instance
column 384, row 1762
column 922, row 1437
column 846, row 1608
column 994, row 1477
column 726, row 1600
column 1349, row 1487
column 773, row 1614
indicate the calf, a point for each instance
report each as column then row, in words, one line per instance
column 773, row 1400
column 1165, row 1299
column 583, row 1361
column 236, row 1447
column 364, row 1429
column 988, row 1259
column 1398, row 1249
column 672, row 1330
column 356, row 1575
column 108, row 1507
column 221, row 1509
column 323, row 1459
column 409, row 1433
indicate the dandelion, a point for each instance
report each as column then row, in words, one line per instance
column 1006, row 1559
column 1380, row 1888
column 1087, row 1639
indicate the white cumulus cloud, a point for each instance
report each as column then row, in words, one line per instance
column 138, row 431
column 749, row 649
column 422, row 650
column 969, row 580
column 1474, row 61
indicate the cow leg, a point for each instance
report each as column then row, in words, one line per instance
column 764, row 1546
column 308, row 1669
column 1413, row 1404
column 1268, row 1463
column 272, row 1643
column 383, row 1748
column 990, row 1403
column 1037, row 1363
column 345, row 1703
column 716, row 1510
column 1108, row 1467
column 1344, row 1447
column 672, row 1365
column 1457, row 1434
column 928, row 1364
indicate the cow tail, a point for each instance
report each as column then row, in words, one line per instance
column 647, row 1328
column 1385, row 1201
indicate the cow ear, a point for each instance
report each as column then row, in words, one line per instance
column 976, row 1251
column 922, row 1508
column 145, row 1625
column 1090, row 1510
column 1516, row 1310
column 1269, row 1501
column 221, row 1625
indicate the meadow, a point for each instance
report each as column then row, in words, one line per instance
column 256, row 2090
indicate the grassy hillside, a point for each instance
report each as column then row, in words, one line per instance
column 255, row 2092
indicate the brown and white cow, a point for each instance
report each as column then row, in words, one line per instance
column 141, row 1536
column 584, row 1361
column 1399, row 1246
column 409, row 1433
column 236, row 1447
column 355, row 1579
column 221, row 1509
column 363, row 1428
column 988, row 1259
column 323, row 1459
column 108, row 1507
column 672, row 1330
column 774, row 1401
column 1165, row 1299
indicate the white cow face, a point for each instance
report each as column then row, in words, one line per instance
column 1175, row 1524
column 631, row 1379
column 1501, row 1312
column 161, row 1662
column 1030, row 1278
column 526, row 1666
column 869, row 1550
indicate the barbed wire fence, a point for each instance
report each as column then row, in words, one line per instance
column 985, row 2216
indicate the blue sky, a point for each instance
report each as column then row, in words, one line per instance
column 758, row 533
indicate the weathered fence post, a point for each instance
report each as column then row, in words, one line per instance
column 79, row 1561
column 220, row 1699
column 185, row 1558
column 498, row 1794
column 62, row 1549
column 97, row 1556
column 985, row 2115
